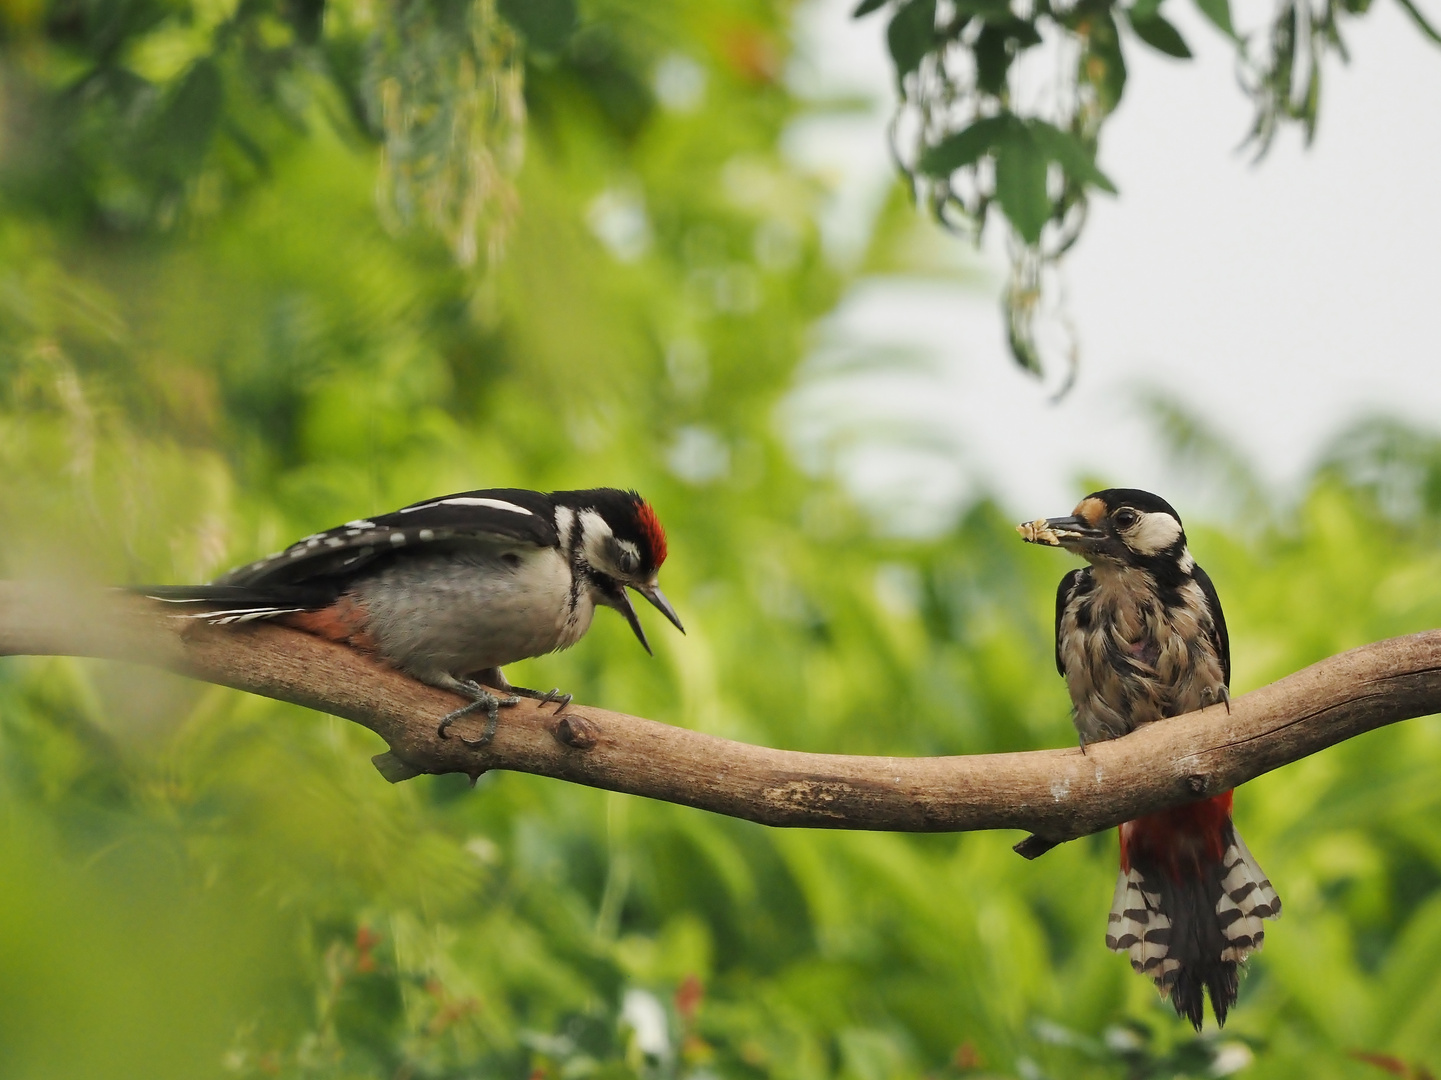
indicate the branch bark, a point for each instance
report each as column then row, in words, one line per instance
column 1056, row 795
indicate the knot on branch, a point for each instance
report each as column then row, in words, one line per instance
column 576, row 731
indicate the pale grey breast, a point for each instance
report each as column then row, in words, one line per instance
column 474, row 607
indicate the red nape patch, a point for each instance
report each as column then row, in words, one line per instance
column 650, row 528
column 1182, row 839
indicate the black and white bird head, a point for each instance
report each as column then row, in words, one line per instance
column 615, row 542
column 1123, row 527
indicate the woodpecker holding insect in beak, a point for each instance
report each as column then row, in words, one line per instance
column 1140, row 637
column 451, row 589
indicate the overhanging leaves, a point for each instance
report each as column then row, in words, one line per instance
column 976, row 147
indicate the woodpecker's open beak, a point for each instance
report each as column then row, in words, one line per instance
column 621, row 602
column 652, row 593
column 1073, row 531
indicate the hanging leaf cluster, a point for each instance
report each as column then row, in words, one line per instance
column 1002, row 104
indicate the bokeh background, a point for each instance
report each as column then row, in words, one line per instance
column 269, row 266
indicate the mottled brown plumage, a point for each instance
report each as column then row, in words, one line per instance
column 1140, row 637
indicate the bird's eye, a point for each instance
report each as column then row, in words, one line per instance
column 627, row 562
column 1126, row 517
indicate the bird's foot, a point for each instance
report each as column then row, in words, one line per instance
column 484, row 699
column 496, row 680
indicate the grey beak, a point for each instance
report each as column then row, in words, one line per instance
column 656, row 597
column 625, row 607
column 1072, row 526
column 620, row 600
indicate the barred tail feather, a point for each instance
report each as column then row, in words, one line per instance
column 1246, row 898
column 1191, row 932
column 1139, row 927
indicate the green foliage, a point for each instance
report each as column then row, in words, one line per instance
column 200, row 883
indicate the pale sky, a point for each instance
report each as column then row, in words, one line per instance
column 1277, row 300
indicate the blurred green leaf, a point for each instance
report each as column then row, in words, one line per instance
column 1104, row 66
column 1021, row 181
column 964, row 147
column 865, row 7
column 183, row 129
column 1156, row 32
column 910, row 34
column 993, row 59
column 1067, row 151
column 546, row 24
column 1219, row 12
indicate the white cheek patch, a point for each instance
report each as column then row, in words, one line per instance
column 1153, row 534
column 595, row 538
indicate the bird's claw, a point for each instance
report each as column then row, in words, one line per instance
column 1210, row 696
column 553, row 694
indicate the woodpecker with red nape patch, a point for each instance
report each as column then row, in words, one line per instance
column 450, row 589
column 1140, row 637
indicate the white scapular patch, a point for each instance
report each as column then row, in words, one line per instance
column 564, row 520
column 1153, row 534
column 471, row 500
column 1138, row 927
column 1246, row 898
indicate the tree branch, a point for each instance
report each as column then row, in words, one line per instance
column 1055, row 794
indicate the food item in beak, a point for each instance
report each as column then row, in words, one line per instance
column 1038, row 532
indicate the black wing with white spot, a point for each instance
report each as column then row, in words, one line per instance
column 491, row 516
column 1067, row 588
column 1220, row 639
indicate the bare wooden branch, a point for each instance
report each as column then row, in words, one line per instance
column 1055, row 794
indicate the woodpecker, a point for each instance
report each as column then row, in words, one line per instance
column 1140, row 637
column 451, row 589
